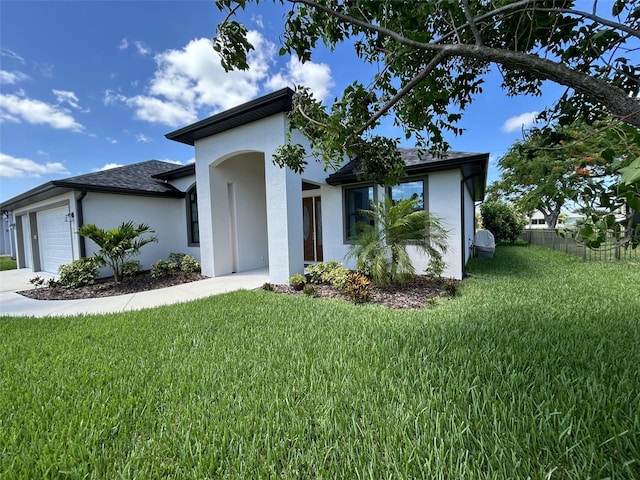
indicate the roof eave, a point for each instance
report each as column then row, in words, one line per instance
column 277, row 102
column 42, row 192
column 171, row 192
column 481, row 159
column 179, row 172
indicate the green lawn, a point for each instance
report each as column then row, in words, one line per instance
column 7, row 263
column 533, row 371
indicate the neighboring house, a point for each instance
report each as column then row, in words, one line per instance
column 234, row 209
column 46, row 219
column 566, row 219
column 254, row 214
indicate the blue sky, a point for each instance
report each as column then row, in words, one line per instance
column 89, row 85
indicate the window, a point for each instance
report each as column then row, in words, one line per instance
column 408, row 189
column 356, row 199
column 193, row 229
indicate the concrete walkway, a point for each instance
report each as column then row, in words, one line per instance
column 14, row 304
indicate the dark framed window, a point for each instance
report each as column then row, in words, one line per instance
column 193, row 229
column 409, row 189
column 356, row 199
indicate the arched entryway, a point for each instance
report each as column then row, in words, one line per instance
column 239, row 213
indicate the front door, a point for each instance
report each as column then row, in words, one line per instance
column 312, row 229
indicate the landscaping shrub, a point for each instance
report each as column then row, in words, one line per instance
column 502, row 220
column 451, row 286
column 310, row 290
column 297, row 281
column 358, row 288
column 118, row 245
column 177, row 258
column 78, row 273
column 189, row 265
column 163, row 268
column 436, row 267
column 36, row 281
column 380, row 248
column 131, row 268
column 328, row 273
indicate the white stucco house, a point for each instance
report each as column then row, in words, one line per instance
column 235, row 210
column 254, row 214
column 45, row 220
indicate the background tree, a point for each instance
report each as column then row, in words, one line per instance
column 502, row 220
column 432, row 57
column 553, row 165
column 380, row 248
column 118, row 245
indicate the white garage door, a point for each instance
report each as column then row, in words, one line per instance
column 54, row 238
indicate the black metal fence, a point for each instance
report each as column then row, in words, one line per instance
column 548, row 237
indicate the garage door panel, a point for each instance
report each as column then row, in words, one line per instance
column 54, row 238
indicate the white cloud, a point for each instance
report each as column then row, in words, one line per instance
column 316, row 76
column 5, row 52
column 124, row 44
column 15, row 108
column 190, row 83
column 141, row 48
column 112, row 141
column 108, row 166
column 257, row 19
column 168, row 160
column 191, row 79
column 142, row 138
column 14, row 167
column 12, row 77
column 63, row 96
column 519, row 122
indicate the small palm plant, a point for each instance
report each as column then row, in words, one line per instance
column 380, row 249
column 118, row 245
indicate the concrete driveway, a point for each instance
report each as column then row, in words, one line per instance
column 14, row 304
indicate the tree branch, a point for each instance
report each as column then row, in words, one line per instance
column 471, row 22
column 613, row 98
column 397, row 97
column 595, row 18
column 309, row 119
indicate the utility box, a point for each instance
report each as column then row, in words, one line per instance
column 484, row 244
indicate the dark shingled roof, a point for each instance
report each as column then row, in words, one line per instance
column 473, row 166
column 135, row 179
column 179, row 172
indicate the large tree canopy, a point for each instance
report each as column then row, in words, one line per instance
column 432, row 57
column 553, row 166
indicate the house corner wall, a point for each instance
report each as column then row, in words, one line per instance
column 445, row 203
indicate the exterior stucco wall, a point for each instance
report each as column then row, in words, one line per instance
column 219, row 163
column 469, row 224
column 167, row 216
column 443, row 201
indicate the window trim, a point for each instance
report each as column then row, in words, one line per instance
column 345, row 238
column 425, row 188
column 190, row 222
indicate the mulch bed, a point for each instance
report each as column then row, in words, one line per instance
column 106, row 287
column 416, row 294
